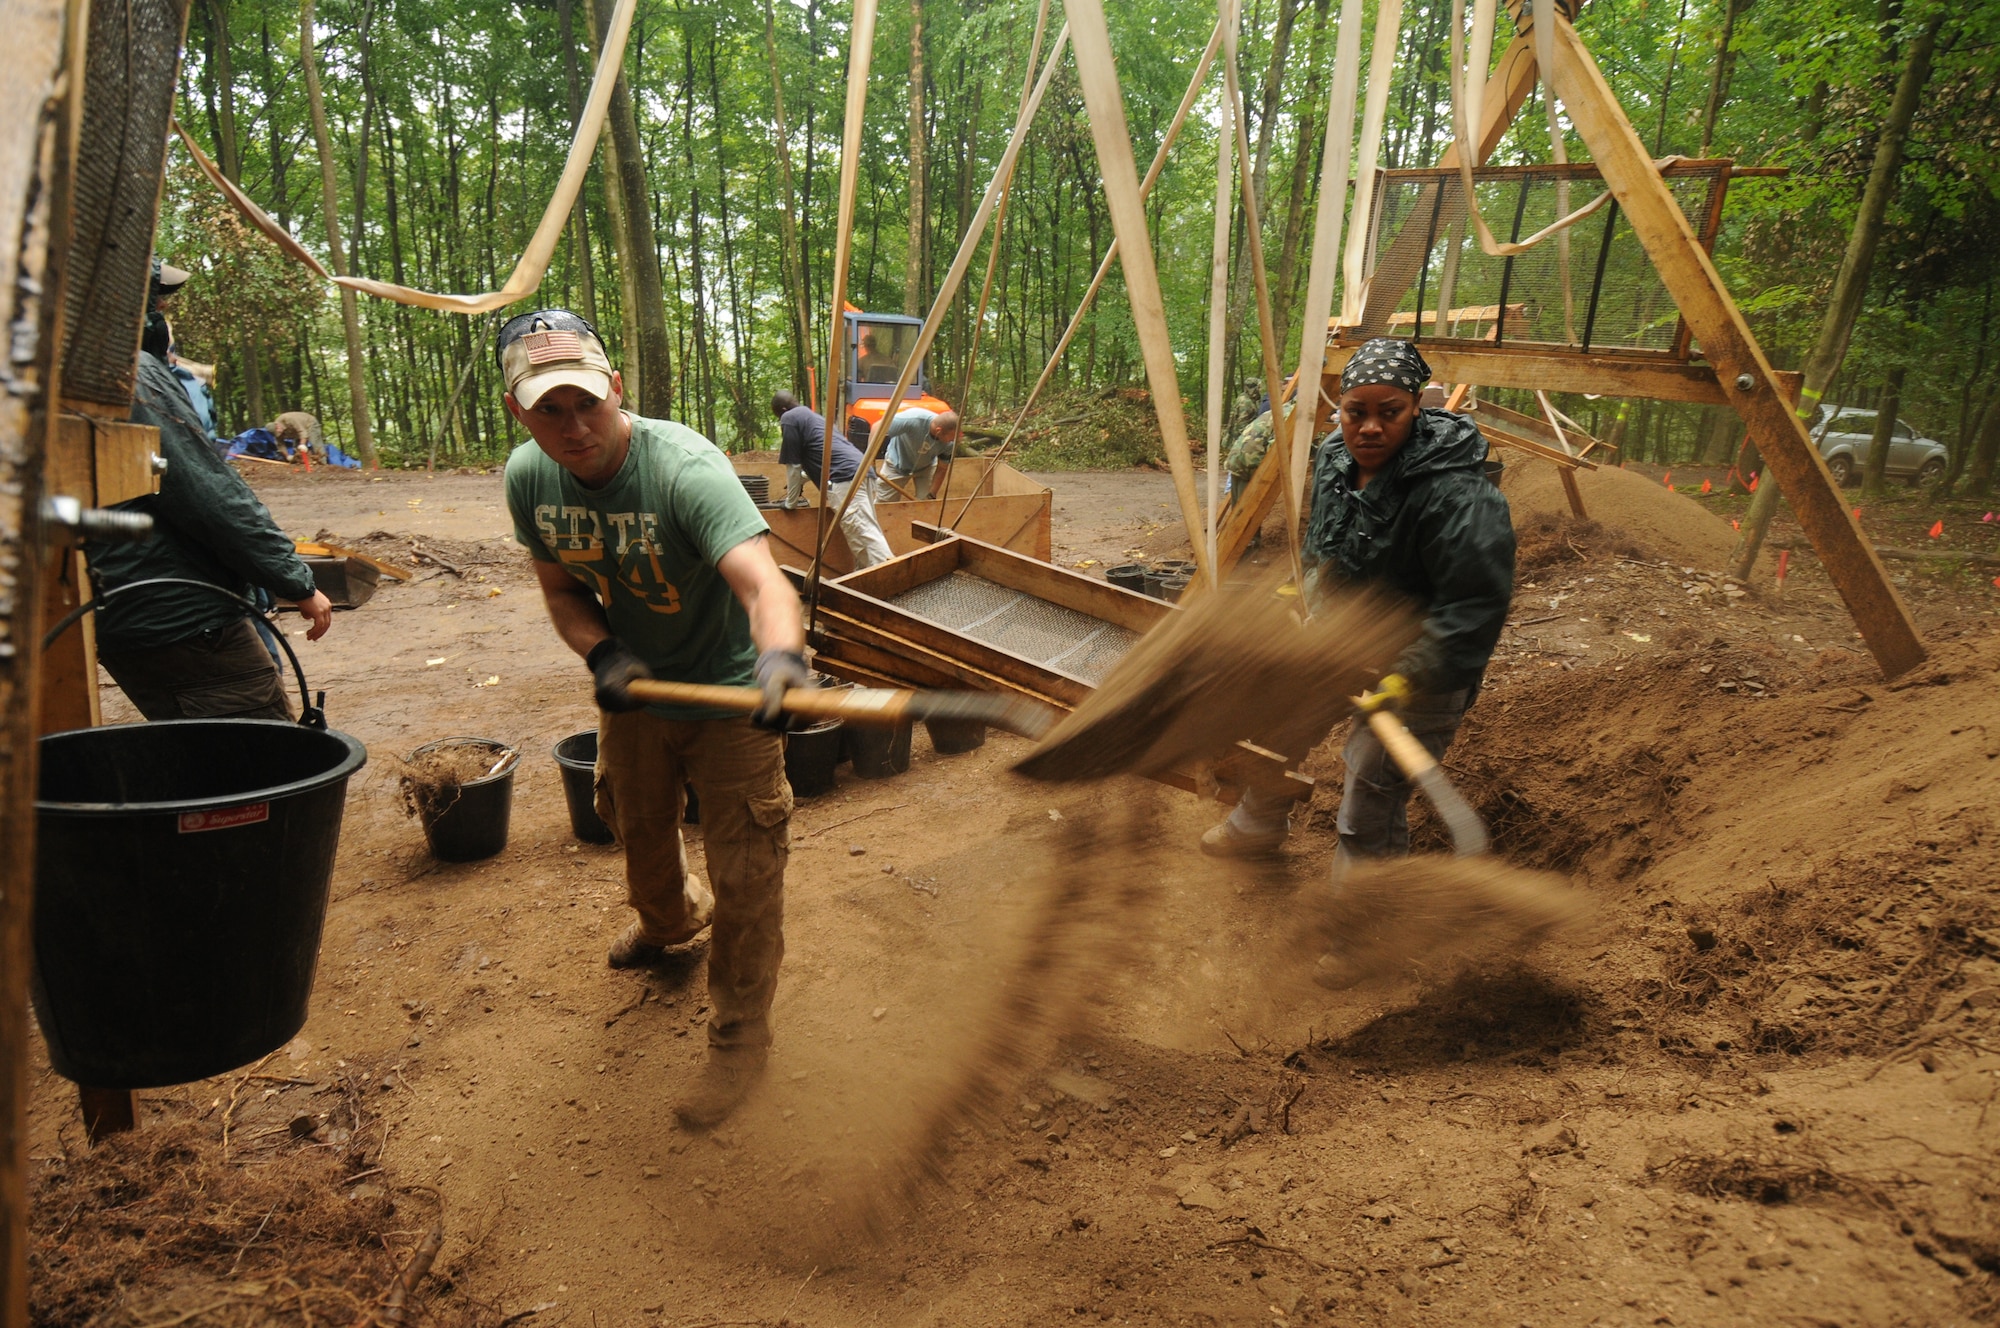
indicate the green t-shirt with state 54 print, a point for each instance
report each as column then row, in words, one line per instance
column 646, row 545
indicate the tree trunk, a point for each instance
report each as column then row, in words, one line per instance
column 1305, row 166
column 639, row 254
column 1851, row 286
column 1721, row 436
column 1875, row 472
column 1667, row 85
column 350, row 313
column 913, row 269
column 788, row 222
column 229, row 156
column 358, row 248
column 579, row 217
column 1979, row 484
column 1725, row 64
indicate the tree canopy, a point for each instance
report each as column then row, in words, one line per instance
column 449, row 125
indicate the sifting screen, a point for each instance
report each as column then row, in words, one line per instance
column 1424, row 259
column 1048, row 634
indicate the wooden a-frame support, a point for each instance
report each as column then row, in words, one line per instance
column 1737, row 369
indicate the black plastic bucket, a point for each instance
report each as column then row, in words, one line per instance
column 949, row 737
column 811, row 757
column 472, row 825
column 1173, row 587
column 577, row 755
column 1129, row 576
column 181, row 876
column 879, row 753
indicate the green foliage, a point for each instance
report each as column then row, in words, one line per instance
column 240, row 284
column 461, row 113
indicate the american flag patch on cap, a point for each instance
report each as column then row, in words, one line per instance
column 552, row 346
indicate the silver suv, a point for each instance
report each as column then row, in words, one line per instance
column 1845, row 434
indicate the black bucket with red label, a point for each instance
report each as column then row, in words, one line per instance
column 181, row 877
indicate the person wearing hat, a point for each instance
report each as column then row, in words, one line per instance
column 158, row 337
column 1401, row 502
column 652, row 562
column 178, row 651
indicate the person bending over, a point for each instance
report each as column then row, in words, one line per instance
column 652, row 562
column 1401, row 502
column 801, row 444
column 917, row 448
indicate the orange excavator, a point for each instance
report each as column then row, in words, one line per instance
column 877, row 345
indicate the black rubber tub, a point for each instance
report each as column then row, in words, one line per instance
column 811, row 756
column 472, row 824
column 577, row 755
column 181, row 874
column 879, row 753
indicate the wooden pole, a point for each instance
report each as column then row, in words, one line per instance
column 1218, row 275
column 1337, row 150
column 1104, row 101
column 1745, row 375
column 38, row 133
column 860, row 51
column 946, row 293
column 1200, row 75
column 999, row 230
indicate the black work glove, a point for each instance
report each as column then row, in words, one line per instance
column 777, row 672
column 614, row 666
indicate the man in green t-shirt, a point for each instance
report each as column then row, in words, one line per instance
column 652, row 562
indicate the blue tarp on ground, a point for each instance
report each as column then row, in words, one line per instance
column 263, row 443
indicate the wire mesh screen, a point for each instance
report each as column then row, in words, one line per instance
column 1047, row 634
column 1590, row 286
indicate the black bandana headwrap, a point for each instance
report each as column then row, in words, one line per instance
column 1386, row 360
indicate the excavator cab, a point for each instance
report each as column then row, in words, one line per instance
column 877, row 346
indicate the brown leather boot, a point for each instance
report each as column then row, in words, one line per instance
column 633, row 950
column 724, row 1081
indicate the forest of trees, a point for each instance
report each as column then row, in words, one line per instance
column 446, row 127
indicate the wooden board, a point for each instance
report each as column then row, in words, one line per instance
column 1014, row 513
column 865, row 637
column 124, row 456
column 1753, row 387
column 1603, row 373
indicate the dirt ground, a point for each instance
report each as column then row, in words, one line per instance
column 1034, row 1061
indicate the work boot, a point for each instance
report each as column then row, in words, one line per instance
column 633, row 950
column 1228, row 840
column 725, row 1080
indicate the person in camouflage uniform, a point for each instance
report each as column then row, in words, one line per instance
column 1247, row 454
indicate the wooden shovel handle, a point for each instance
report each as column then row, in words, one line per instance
column 1411, row 757
column 860, row 705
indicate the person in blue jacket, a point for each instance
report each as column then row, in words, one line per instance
column 1401, row 501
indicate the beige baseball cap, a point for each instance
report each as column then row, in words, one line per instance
column 552, row 348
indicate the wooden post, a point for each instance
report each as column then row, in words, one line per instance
column 1744, row 374
column 1104, row 100
column 37, row 137
column 107, row 1110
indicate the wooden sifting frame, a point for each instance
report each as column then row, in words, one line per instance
column 865, row 636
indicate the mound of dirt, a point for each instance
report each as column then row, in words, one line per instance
column 1085, row 430
column 1663, row 523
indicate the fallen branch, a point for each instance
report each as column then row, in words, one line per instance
column 852, row 819
column 406, row 1282
column 1938, row 556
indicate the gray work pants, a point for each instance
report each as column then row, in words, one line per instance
column 1374, row 817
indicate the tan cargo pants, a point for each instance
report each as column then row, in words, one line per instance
column 738, row 772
